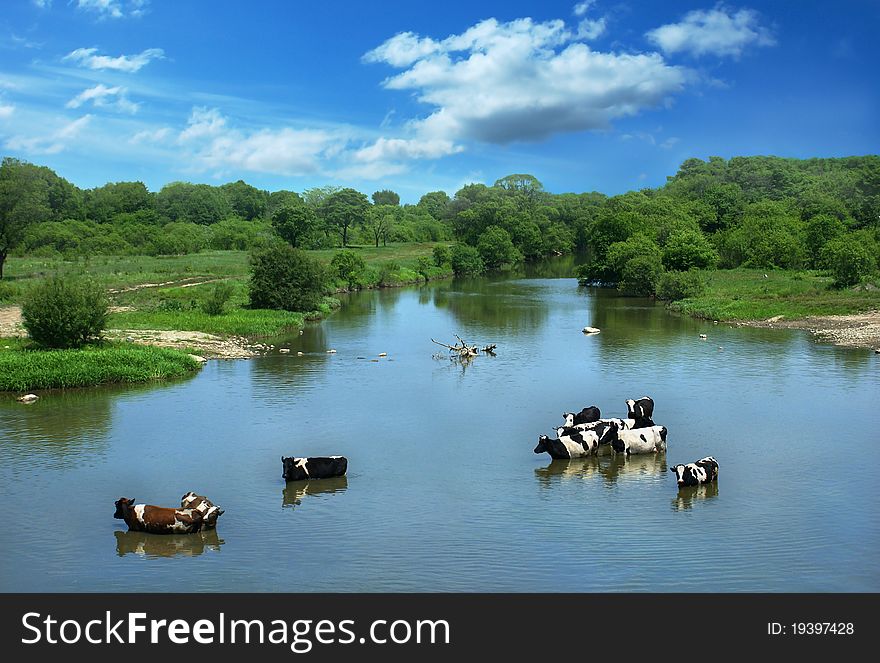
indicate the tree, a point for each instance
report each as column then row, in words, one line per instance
column 465, row 260
column 294, row 223
column 526, row 186
column 196, row 203
column 621, row 253
column 379, row 221
column 442, row 255
column 285, row 278
column 104, row 203
column 386, row 197
column 246, row 201
column 496, row 248
column 435, row 203
column 688, row 249
column 345, row 209
column 65, row 312
column 348, row 265
column 850, row 260
column 641, row 275
column 24, row 199
column 818, row 231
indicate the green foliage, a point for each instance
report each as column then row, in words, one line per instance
column 818, row 231
column 215, row 302
column 641, row 275
column 674, row 286
column 194, row 203
column 285, row 278
column 496, row 248
column 424, row 267
column 442, row 255
column 26, row 369
column 435, row 203
column 344, row 209
column 465, row 260
column 246, row 201
column 621, row 253
column 295, row 223
column 688, row 249
column 386, row 197
column 348, row 266
column 65, row 312
column 849, row 260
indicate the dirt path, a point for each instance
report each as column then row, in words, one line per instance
column 207, row 345
column 860, row 330
column 183, row 283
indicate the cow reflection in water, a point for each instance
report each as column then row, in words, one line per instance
column 151, row 546
column 295, row 491
column 567, row 470
column 638, row 467
column 688, row 496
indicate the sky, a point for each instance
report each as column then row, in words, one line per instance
column 590, row 95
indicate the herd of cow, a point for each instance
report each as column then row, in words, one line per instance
column 585, row 433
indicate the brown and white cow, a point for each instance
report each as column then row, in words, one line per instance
column 210, row 511
column 157, row 519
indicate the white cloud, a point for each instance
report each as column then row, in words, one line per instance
column 216, row 146
column 86, row 57
column 52, row 143
column 102, row 96
column 503, row 82
column 112, row 8
column 718, row 31
column 387, row 149
column 6, row 111
column 42, row 4
column 582, row 8
column 590, row 29
column 150, row 136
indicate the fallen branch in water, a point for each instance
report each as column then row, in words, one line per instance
column 464, row 350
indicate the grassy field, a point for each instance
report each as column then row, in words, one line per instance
column 744, row 294
column 24, row 369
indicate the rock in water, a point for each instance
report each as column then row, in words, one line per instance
column 28, row 398
column 591, row 330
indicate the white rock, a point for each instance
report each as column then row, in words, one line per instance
column 383, row 354
column 198, row 358
column 591, row 330
column 331, row 352
column 703, row 337
column 284, row 351
column 300, row 354
column 28, row 398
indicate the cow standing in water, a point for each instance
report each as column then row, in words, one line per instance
column 210, row 511
column 696, row 473
column 316, row 467
column 640, row 440
column 575, row 443
column 586, row 416
column 641, row 409
column 157, row 519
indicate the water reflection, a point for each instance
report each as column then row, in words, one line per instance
column 688, row 496
column 152, row 546
column 638, row 467
column 492, row 304
column 295, row 491
column 567, row 470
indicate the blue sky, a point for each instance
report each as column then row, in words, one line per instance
column 592, row 95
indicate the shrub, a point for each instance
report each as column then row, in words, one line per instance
column 285, row 278
column 496, row 248
column 423, row 267
column 680, row 285
column 215, row 302
column 641, row 275
column 688, row 249
column 348, row 266
column 465, row 260
column 388, row 272
column 849, row 260
column 65, row 312
column 442, row 255
column 620, row 253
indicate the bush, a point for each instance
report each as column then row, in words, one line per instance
column 496, row 248
column 688, row 249
column 442, row 255
column 348, row 266
column 620, row 253
column 849, row 260
column 680, row 285
column 465, row 260
column 65, row 312
column 285, row 278
column 641, row 275
column 215, row 302
column 423, row 266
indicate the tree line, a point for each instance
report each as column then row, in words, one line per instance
column 765, row 212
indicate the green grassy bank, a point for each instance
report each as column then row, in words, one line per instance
column 23, row 368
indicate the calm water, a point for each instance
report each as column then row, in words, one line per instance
column 444, row 492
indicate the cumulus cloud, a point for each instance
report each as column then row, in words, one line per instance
column 582, row 8
column 719, row 31
column 102, row 96
column 42, row 4
column 590, row 29
column 88, row 57
column 215, row 145
column 52, row 143
column 6, row 111
column 522, row 81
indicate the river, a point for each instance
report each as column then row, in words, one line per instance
column 444, row 492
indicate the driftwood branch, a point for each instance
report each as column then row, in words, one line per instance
column 464, row 350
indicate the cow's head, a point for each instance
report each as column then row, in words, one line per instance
column 543, row 444
column 569, row 418
column 683, row 475
column 122, row 506
column 608, row 433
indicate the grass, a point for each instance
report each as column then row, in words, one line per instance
column 237, row 322
column 744, row 294
column 24, row 368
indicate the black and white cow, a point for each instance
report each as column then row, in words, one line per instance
column 641, row 409
column 316, row 467
column 622, row 424
column 210, row 511
column 693, row 474
column 605, row 430
column 574, row 442
column 585, row 416
column 640, row 440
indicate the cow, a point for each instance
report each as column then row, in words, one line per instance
column 622, row 424
column 210, row 511
column 574, row 443
column 585, row 416
column 605, row 430
column 316, row 467
column 641, row 409
column 693, row 474
column 157, row 519
column 640, row 440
